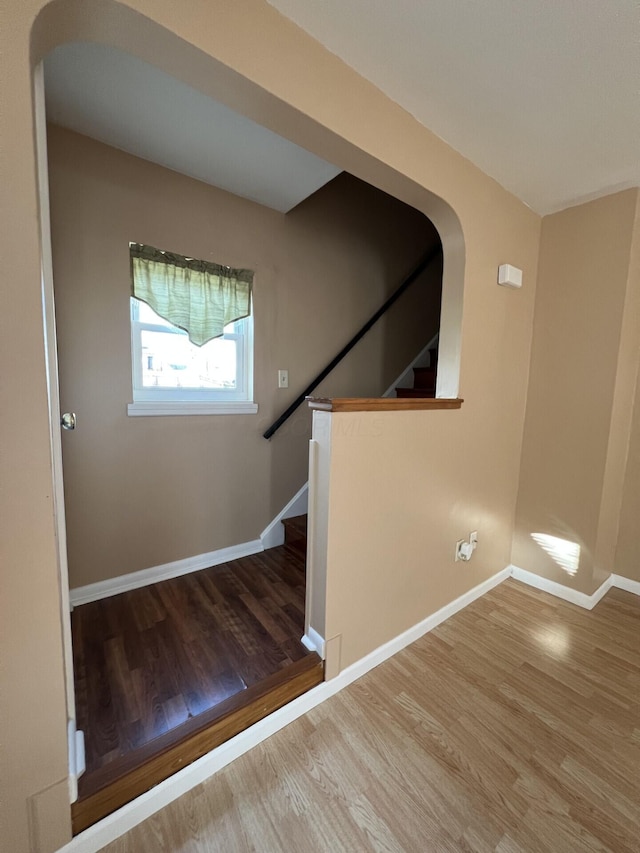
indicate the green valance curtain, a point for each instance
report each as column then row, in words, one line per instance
column 197, row 296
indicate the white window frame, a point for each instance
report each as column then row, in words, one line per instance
column 192, row 401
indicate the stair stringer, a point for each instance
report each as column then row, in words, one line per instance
column 273, row 534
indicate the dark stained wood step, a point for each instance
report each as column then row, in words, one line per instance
column 157, row 665
column 295, row 533
column 297, row 525
column 433, row 357
column 418, row 393
column 424, row 377
column 125, row 778
column 150, row 659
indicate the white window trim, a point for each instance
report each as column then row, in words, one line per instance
column 158, row 402
column 164, row 409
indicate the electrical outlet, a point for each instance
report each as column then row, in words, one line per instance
column 464, row 549
column 283, row 379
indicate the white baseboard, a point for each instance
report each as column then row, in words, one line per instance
column 412, row 634
column 625, row 583
column 560, row 590
column 145, row 577
column 116, row 824
column 273, row 534
column 314, row 642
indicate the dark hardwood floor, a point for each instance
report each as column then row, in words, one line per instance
column 157, row 666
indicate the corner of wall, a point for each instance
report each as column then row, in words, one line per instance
column 626, row 557
column 582, row 378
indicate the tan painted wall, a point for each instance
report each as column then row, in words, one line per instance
column 393, row 522
column 627, row 558
column 627, row 555
column 465, row 463
column 581, row 382
column 141, row 492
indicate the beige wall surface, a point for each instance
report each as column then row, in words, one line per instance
column 627, row 555
column 579, row 390
column 251, row 58
column 627, row 558
column 405, row 486
column 144, row 491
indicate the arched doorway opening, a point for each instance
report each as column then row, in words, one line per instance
column 254, row 103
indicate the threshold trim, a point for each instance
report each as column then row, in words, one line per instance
column 125, row 778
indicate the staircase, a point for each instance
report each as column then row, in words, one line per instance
column 424, row 379
column 434, row 255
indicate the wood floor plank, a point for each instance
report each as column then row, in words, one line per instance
column 143, row 657
column 150, row 662
column 514, row 727
column 137, row 771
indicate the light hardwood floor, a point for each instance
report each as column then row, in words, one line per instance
column 512, row 728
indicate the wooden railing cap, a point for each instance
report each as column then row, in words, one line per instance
column 382, row 404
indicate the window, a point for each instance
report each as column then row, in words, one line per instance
column 173, row 375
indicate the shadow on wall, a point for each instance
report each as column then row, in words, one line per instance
column 385, row 240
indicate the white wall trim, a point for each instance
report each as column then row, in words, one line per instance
column 560, row 590
column 273, row 534
column 398, row 643
column 572, row 595
column 406, row 376
column 116, row 824
column 158, row 409
column 314, row 642
column 625, row 583
column 145, row 577
column 77, row 763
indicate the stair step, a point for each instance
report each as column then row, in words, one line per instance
column 433, row 357
column 295, row 532
column 130, row 776
column 419, row 393
column 424, row 377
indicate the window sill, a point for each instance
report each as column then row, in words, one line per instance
column 164, row 409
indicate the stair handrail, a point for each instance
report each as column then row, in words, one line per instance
column 430, row 256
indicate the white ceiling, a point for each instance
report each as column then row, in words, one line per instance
column 124, row 102
column 543, row 95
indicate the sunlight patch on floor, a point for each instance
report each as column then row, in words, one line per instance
column 554, row 640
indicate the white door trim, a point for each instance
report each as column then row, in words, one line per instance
column 51, row 357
